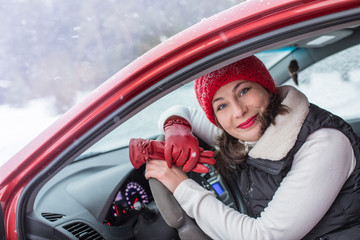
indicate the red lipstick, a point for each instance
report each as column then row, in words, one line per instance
column 248, row 123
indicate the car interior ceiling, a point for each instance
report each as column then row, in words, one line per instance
column 307, row 54
column 83, row 195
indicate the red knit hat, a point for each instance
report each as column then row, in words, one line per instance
column 249, row 69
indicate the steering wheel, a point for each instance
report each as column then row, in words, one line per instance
column 172, row 212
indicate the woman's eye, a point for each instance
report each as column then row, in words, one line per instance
column 221, row 107
column 244, row 91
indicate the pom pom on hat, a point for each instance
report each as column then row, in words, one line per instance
column 249, row 69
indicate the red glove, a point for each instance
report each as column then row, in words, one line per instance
column 181, row 146
column 141, row 150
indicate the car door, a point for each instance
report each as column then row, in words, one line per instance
column 2, row 226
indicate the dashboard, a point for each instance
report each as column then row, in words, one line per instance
column 104, row 197
column 135, row 190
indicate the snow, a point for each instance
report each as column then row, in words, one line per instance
column 340, row 97
column 20, row 125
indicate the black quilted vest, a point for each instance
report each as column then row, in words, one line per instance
column 260, row 178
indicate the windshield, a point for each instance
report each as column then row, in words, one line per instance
column 271, row 57
column 144, row 124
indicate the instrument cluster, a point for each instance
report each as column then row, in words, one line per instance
column 135, row 189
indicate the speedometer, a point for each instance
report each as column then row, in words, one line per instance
column 134, row 192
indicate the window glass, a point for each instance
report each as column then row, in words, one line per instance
column 334, row 83
column 271, row 57
column 144, row 124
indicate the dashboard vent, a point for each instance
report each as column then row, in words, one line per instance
column 52, row 217
column 83, row 232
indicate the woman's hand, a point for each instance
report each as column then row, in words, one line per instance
column 170, row 177
column 181, row 146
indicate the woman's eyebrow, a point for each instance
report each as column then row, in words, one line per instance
column 217, row 99
column 237, row 86
column 233, row 90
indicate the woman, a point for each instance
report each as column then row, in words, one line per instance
column 296, row 165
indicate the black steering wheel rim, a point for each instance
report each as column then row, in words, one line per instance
column 172, row 212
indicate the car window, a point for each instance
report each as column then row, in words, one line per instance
column 273, row 56
column 331, row 83
column 144, row 124
column 334, row 83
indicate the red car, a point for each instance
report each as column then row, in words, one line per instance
column 75, row 181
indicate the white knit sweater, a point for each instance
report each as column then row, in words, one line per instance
column 319, row 170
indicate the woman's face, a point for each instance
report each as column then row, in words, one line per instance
column 237, row 106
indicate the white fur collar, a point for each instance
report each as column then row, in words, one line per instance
column 278, row 139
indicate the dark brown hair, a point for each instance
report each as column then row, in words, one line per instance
column 231, row 153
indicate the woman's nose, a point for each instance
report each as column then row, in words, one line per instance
column 239, row 110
